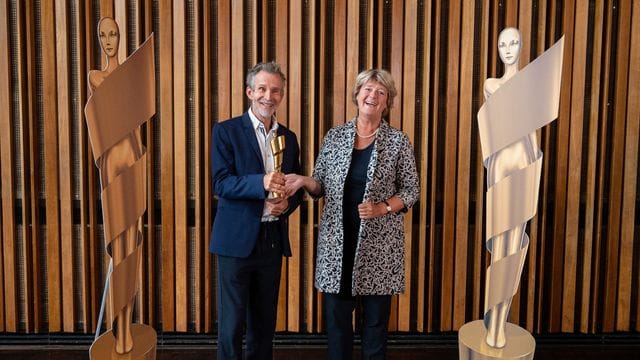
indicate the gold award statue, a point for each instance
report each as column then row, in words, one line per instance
column 516, row 106
column 122, row 98
column 277, row 149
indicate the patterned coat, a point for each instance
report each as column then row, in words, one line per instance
column 379, row 260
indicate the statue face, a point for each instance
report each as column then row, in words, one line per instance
column 509, row 46
column 109, row 36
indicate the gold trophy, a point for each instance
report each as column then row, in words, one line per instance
column 277, row 150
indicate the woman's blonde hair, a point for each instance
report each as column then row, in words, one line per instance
column 381, row 76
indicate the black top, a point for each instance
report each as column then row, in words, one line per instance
column 354, row 186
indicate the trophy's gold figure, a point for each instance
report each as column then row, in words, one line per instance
column 120, row 156
column 277, row 149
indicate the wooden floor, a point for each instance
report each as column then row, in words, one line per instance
column 555, row 352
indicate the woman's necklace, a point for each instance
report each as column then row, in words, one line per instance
column 366, row 136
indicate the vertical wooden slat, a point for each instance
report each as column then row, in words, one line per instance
column 64, row 151
column 433, row 291
column 8, row 264
column 181, row 236
column 237, row 58
column 207, row 89
column 423, row 160
column 134, row 12
column 603, row 118
column 147, row 268
column 464, row 167
column 295, row 93
column 224, row 61
column 200, row 250
column 352, row 56
column 106, row 10
column 397, row 52
column 314, row 297
column 511, row 13
column 48, row 52
column 120, row 15
column 92, row 182
column 479, row 236
column 408, row 107
column 539, row 223
column 167, row 165
column 450, row 148
column 281, row 57
column 223, row 54
column 575, row 166
column 81, row 84
column 338, row 100
column 370, row 25
column 561, row 165
column 307, row 159
column 395, row 115
column 614, row 244
column 24, row 155
column 630, row 182
column 591, row 181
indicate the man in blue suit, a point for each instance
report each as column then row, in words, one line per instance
column 250, row 231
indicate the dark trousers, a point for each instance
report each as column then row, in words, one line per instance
column 375, row 318
column 248, row 290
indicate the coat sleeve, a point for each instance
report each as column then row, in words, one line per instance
column 320, row 169
column 227, row 183
column 407, row 181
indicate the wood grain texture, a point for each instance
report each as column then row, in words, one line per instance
column 167, row 168
column 581, row 274
column 180, row 150
column 574, row 167
column 8, row 265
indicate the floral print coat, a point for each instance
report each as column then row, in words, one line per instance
column 379, row 261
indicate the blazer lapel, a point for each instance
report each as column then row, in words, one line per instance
column 250, row 133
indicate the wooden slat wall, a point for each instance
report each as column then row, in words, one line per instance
column 583, row 269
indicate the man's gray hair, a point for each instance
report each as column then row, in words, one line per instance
column 271, row 67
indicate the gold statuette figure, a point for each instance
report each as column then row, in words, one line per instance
column 122, row 99
column 277, row 149
column 516, row 106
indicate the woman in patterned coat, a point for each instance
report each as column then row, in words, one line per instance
column 366, row 172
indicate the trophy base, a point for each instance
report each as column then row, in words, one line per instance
column 144, row 345
column 472, row 344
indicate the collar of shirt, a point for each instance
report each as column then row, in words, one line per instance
column 257, row 123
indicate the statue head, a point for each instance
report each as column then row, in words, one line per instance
column 109, row 36
column 509, row 45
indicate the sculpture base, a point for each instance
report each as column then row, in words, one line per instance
column 144, row 345
column 472, row 344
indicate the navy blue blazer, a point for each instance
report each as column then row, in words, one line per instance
column 238, row 171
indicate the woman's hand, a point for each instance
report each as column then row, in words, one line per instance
column 369, row 210
column 293, row 183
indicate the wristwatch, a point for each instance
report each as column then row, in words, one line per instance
column 387, row 206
